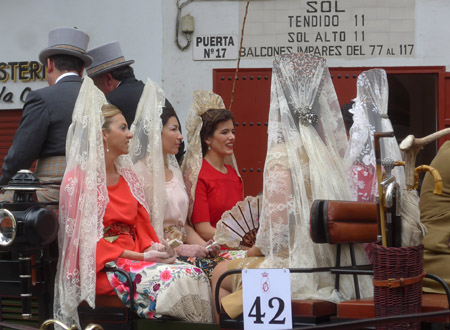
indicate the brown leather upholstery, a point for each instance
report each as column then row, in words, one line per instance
column 350, row 222
column 433, row 302
column 364, row 308
column 356, row 309
column 336, row 222
column 313, row 308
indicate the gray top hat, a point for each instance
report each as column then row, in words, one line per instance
column 106, row 57
column 66, row 41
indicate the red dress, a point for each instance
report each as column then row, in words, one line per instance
column 125, row 211
column 215, row 193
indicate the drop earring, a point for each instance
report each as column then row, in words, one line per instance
column 107, row 146
column 209, row 147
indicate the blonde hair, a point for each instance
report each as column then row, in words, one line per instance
column 108, row 112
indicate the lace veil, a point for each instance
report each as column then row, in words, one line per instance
column 306, row 145
column 83, row 200
column 370, row 115
column 147, row 155
column 192, row 162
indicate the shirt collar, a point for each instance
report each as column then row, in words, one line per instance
column 65, row 75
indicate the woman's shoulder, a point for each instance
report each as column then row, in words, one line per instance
column 209, row 173
column 206, row 170
column 231, row 171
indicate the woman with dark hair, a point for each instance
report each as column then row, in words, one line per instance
column 153, row 152
column 209, row 168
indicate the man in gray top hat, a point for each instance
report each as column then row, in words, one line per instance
column 47, row 113
column 114, row 76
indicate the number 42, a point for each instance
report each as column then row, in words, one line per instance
column 255, row 311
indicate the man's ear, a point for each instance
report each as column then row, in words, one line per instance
column 81, row 72
column 110, row 82
column 50, row 65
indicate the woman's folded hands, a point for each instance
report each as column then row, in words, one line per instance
column 160, row 252
column 208, row 249
column 192, row 250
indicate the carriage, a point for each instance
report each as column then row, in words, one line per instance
column 28, row 257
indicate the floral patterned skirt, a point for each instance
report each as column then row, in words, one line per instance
column 208, row 264
column 205, row 264
column 178, row 290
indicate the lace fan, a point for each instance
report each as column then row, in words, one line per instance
column 238, row 226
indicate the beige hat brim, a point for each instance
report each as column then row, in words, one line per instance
column 47, row 52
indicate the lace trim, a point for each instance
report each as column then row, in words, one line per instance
column 191, row 308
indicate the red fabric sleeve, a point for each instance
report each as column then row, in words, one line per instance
column 200, row 211
column 107, row 252
column 145, row 234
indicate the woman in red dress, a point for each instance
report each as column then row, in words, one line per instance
column 104, row 219
column 218, row 187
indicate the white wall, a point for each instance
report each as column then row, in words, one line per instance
column 136, row 24
column 182, row 75
column 146, row 31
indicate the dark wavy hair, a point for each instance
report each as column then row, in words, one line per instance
column 211, row 118
column 123, row 72
column 167, row 113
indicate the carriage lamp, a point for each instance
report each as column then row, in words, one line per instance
column 25, row 221
column 26, row 226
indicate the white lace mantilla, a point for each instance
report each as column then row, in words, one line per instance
column 304, row 162
column 147, row 156
column 83, row 200
column 370, row 115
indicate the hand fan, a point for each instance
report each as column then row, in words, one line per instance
column 238, row 226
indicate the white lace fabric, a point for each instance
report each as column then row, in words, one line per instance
column 304, row 162
column 192, row 162
column 370, row 115
column 147, row 155
column 83, row 200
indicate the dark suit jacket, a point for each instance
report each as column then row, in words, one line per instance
column 126, row 97
column 47, row 115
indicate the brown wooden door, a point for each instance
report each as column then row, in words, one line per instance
column 444, row 104
column 250, row 110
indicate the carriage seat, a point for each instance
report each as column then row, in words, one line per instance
column 332, row 222
column 304, row 312
column 110, row 312
column 338, row 222
column 365, row 308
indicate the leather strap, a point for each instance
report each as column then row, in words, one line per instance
column 397, row 283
